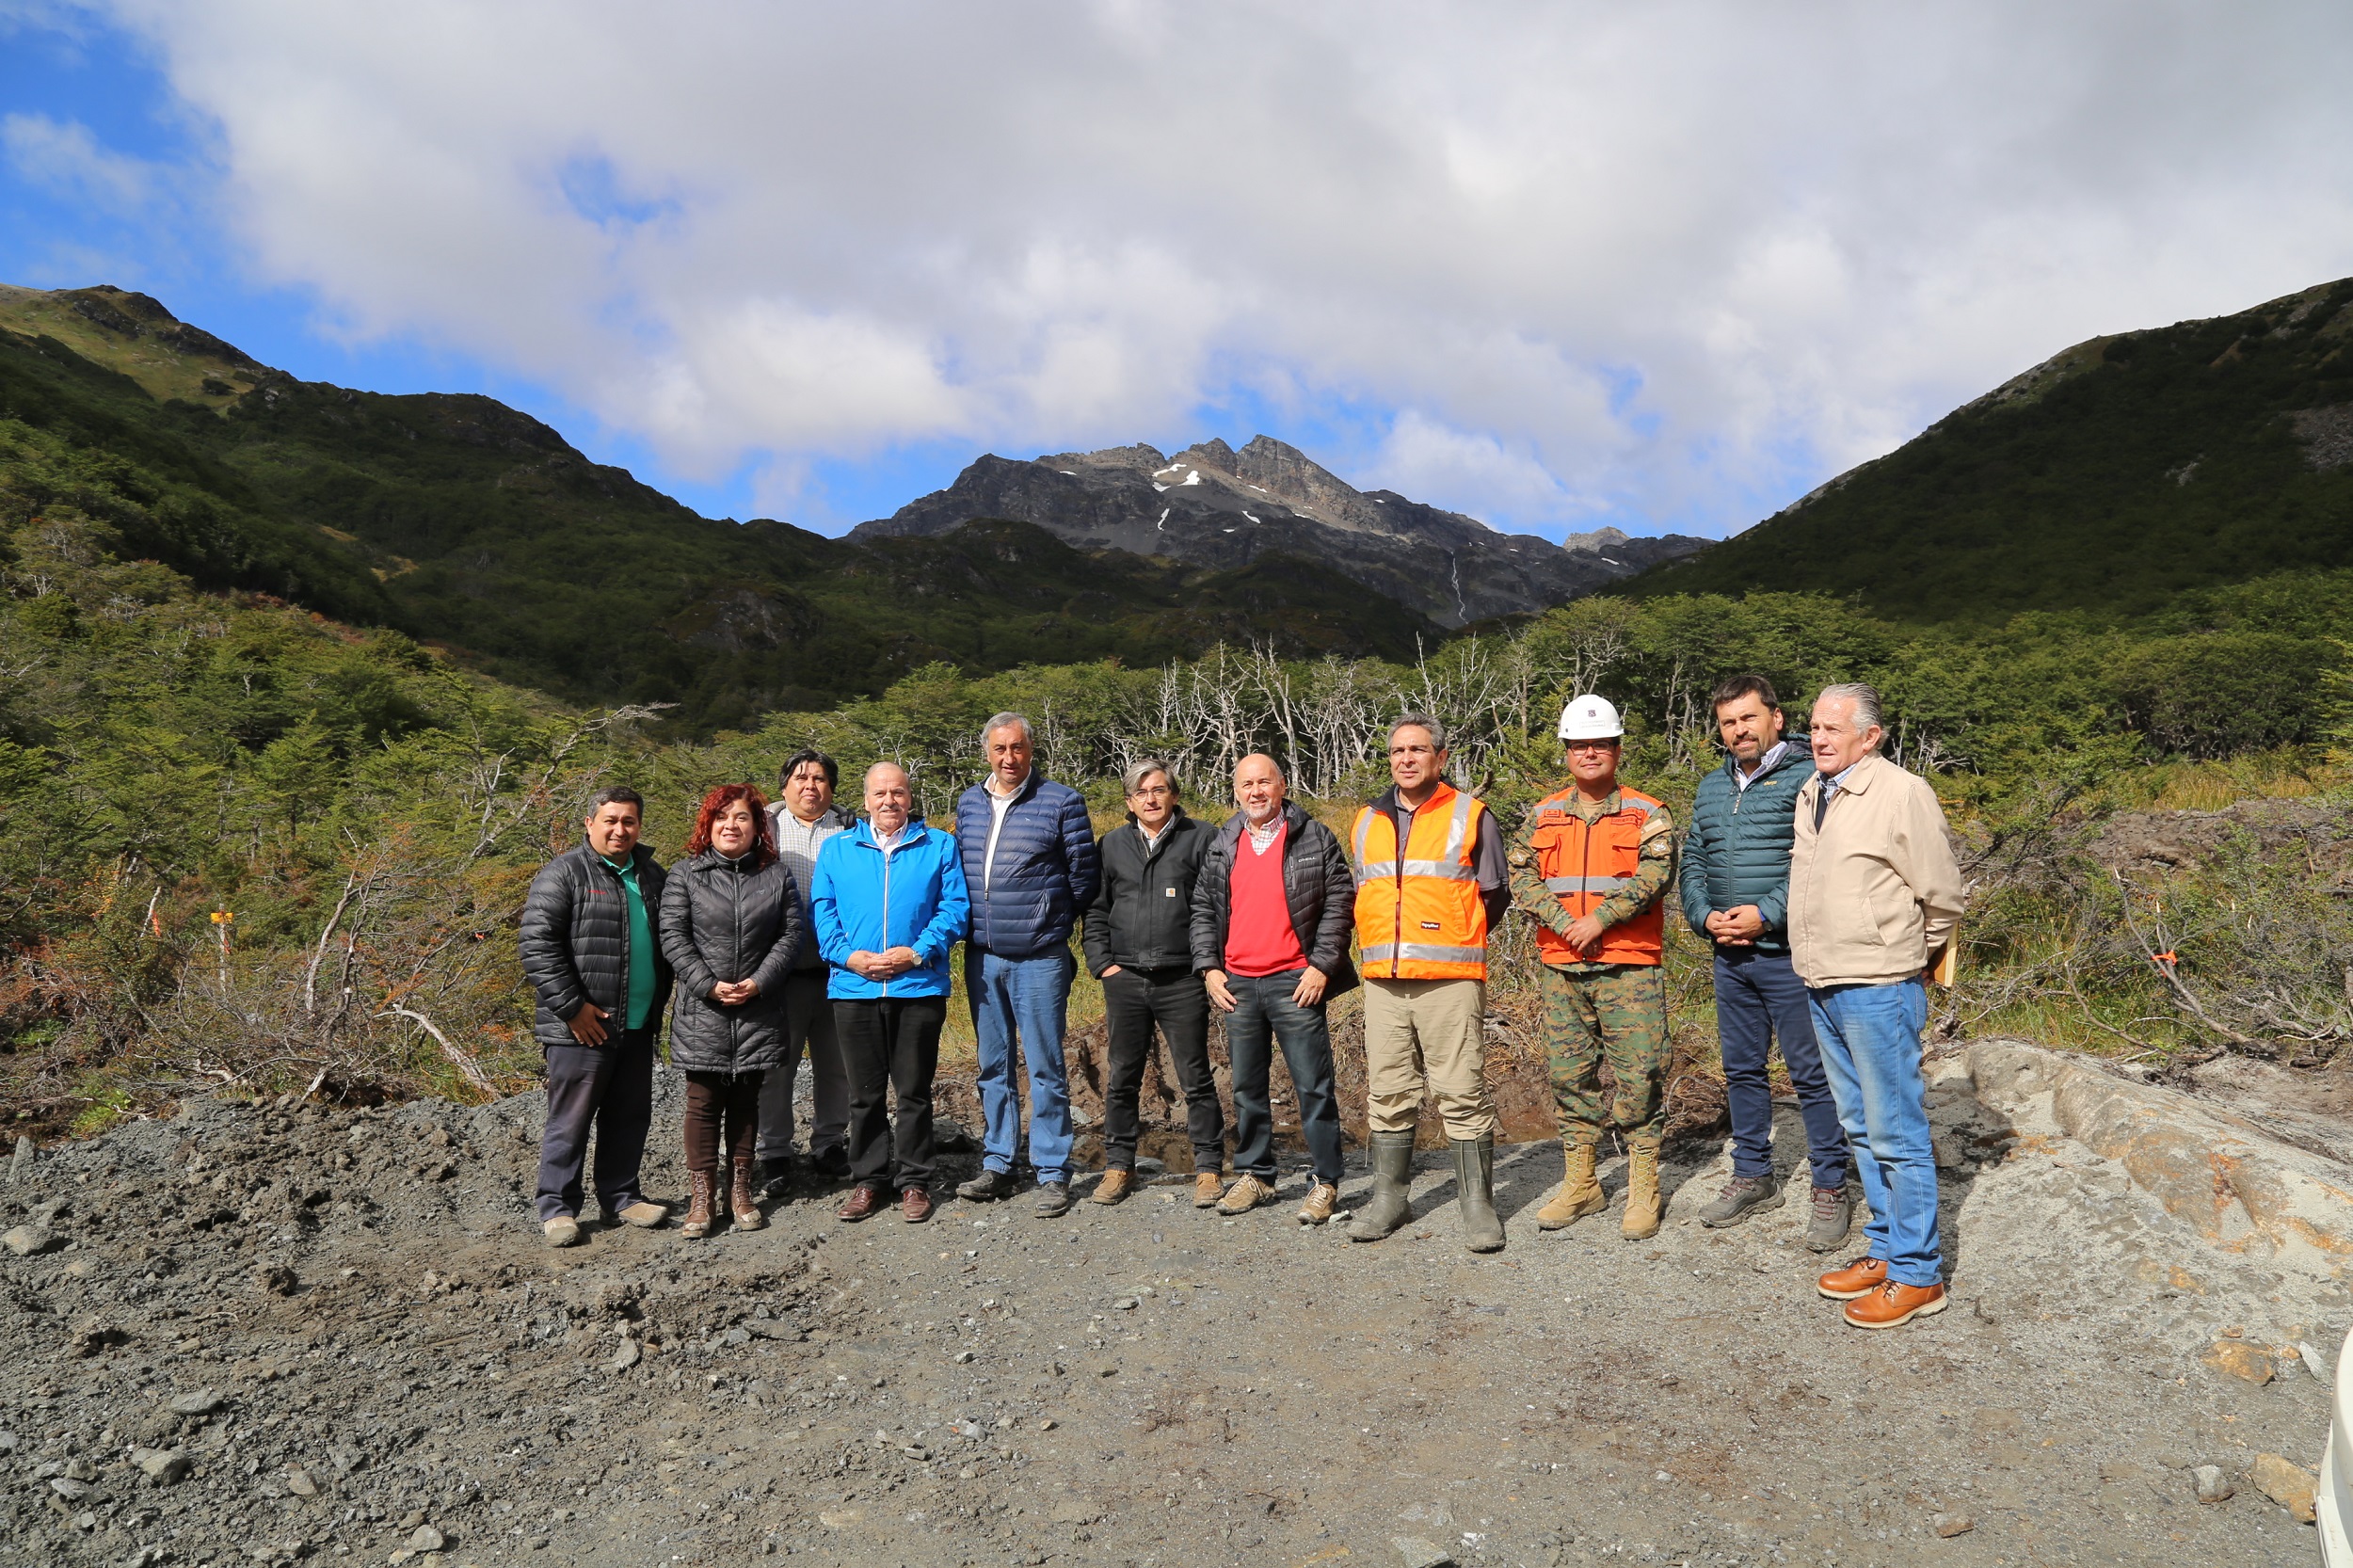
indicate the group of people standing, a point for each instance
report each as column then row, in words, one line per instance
column 1820, row 872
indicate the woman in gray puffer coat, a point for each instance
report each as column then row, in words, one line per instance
column 730, row 928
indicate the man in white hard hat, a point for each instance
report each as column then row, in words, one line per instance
column 1594, row 867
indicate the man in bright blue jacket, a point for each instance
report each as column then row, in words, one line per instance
column 889, row 904
column 1030, row 865
column 1736, row 891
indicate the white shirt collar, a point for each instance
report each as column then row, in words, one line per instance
column 1771, row 755
column 1005, row 794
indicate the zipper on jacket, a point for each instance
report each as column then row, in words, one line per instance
column 885, row 934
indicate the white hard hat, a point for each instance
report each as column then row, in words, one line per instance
column 1590, row 718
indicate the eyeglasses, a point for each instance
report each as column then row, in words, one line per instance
column 1593, row 746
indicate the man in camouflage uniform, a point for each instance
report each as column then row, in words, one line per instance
column 1592, row 867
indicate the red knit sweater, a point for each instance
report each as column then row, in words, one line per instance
column 1258, row 936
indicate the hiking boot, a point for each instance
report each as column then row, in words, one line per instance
column 915, row 1205
column 742, row 1201
column 562, row 1231
column 1321, row 1197
column 1248, row 1193
column 1579, row 1193
column 1642, row 1205
column 1475, row 1192
column 776, row 1176
column 1741, row 1197
column 1053, row 1199
column 862, row 1203
column 1893, row 1305
column 700, row 1185
column 1114, row 1186
column 1857, row 1279
column 645, row 1214
column 988, row 1187
column 1208, row 1187
column 1392, row 1175
column 1832, row 1217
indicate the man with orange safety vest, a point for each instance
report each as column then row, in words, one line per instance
column 1431, row 882
column 1593, row 868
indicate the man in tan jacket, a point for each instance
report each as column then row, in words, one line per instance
column 1874, row 895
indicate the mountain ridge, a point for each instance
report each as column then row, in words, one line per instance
column 1213, row 506
column 474, row 527
column 2117, row 473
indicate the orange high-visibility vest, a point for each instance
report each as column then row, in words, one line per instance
column 1419, row 916
column 1581, row 866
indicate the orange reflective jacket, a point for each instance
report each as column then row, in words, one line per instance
column 1419, row 916
column 1582, row 866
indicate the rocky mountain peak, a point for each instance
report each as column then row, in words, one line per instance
column 1215, row 507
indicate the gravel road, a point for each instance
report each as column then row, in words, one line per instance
column 265, row 1334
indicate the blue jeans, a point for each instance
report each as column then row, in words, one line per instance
column 1758, row 996
column 1028, row 998
column 1870, row 1038
column 1263, row 1015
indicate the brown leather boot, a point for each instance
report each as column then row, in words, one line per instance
column 1642, row 1190
column 700, row 1189
column 1579, row 1194
column 744, row 1199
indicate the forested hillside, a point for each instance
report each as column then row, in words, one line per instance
column 469, row 525
column 365, row 811
column 2112, row 477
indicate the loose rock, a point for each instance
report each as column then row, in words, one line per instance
column 2240, row 1360
column 161, row 1466
column 1417, row 1553
column 298, row 1481
column 2285, row 1482
column 1950, row 1525
column 2213, row 1485
column 29, row 1241
column 2314, row 1362
column 425, row 1538
column 203, row 1402
column 21, row 1167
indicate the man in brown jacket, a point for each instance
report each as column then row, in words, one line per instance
column 1874, row 896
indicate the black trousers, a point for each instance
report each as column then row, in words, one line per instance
column 808, row 1018
column 611, row 1088
column 890, row 1046
column 1134, row 1001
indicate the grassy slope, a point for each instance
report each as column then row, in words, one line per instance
column 466, row 523
column 2072, row 486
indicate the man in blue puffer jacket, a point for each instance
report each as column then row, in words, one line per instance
column 888, row 902
column 1736, row 891
column 1030, row 867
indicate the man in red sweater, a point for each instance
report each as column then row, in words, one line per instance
column 1271, row 920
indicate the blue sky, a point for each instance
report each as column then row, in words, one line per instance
column 1666, row 269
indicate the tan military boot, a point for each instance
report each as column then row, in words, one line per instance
column 1579, row 1194
column 1641, row 1189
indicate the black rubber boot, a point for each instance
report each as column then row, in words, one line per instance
column 1392, row 1173
column 1475, row 1189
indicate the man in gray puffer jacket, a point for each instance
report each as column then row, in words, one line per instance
column 589, row 952
column 1736, row 892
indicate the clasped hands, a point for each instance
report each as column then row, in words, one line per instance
column 1738, row 927
column 889, row 963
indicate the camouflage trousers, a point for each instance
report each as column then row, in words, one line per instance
column 1616, row 1013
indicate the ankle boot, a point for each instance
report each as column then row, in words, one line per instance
column 1641, row 1189
column 744, row 1200
column 1475, row 1191
column 1579, row 1194
column 1392, row 1173
column 697, row 1221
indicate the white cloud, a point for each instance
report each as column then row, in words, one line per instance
column 65, row 156
column 1676, row 261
